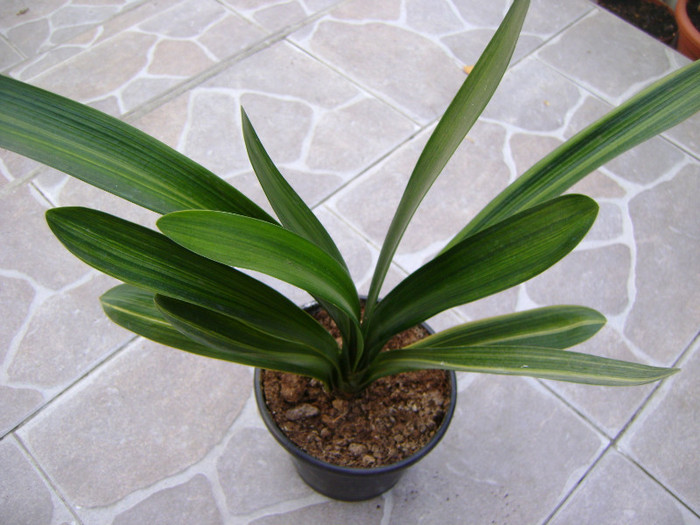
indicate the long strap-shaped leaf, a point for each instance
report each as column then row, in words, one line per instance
column 655, row 109
column 149, row 260
column 290, row 209
column 233, row 341
column 296, row 216
column 256, row 245
column 110, row 154
column 134, row 309
column 548, row 327
column 462, row 113
column 546, row 363
column 502, row 256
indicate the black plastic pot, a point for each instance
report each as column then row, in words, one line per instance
column 346, row 483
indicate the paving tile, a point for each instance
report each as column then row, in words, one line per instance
column 34, row 27
column 618, row 492
column 190, row 502
column 154, row 435
column 8, row 55
column 22, row 218
column 17, row 403
column 276, row 16
column 58, row 54
column 508, row 456
column 421, row 44
column 475, row 173
column 66, row 335
column 252, row 454
column 664, row 317
column 64, row 190
column 54, row 329
column 604, row 43
column 385, row 56
column 369, row 512
column 149, row 57
column 533, row 97
column 600, row 283
column 665, row 437
column 146, row 414
column 609, row 408
column 316, row 126
column 25, row 497
column 687, row 135
column 16, row 168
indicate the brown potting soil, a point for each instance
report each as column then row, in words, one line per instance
column 693, row 8
column 390, row 420
column 654, row 19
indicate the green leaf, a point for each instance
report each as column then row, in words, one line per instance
column 231, row 340
column 655, row 109
column 291, row 210
column 147, row 259
column 462, row 113
column 548, row 327
column 256, row 245
column 545, row 363
column 295, row 216
column 134, row 309
column 110, row 154
column 502, row 256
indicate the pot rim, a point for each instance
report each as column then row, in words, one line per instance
column 681, row 13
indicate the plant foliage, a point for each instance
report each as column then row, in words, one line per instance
column 183, row 287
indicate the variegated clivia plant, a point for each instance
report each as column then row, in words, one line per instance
column 183, row 286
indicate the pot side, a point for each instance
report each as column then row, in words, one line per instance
column 688, row 35
column 349, row 483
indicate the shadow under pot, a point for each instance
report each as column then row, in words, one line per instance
column 350, row 483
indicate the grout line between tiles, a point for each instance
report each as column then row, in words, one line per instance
column 47, row 479
column 675, row 496
column 573, row 490
column 217, row 68
column 119, row 349
column 612, row 442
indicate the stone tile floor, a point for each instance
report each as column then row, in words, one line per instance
column 99, row 427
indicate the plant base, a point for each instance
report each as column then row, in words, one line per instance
column 349, row 483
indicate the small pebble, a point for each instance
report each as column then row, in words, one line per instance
column 368, row 461
column 292, row 389
column 357, row 449
column 301, row 412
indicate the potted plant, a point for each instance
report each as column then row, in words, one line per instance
column 182, row 286
column 688, row 32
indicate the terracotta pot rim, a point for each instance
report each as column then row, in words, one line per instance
column 688, row 34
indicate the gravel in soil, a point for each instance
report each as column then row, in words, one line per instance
column 387, row 422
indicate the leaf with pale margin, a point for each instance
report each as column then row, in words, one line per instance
column 231, row 340
column 545, row 363
column 549, row 327
column 498, row 258
column 652, row 111
column 134, row 309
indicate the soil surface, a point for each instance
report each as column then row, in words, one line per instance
column 387, row 422
column 652, row 18
column 693, row 8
